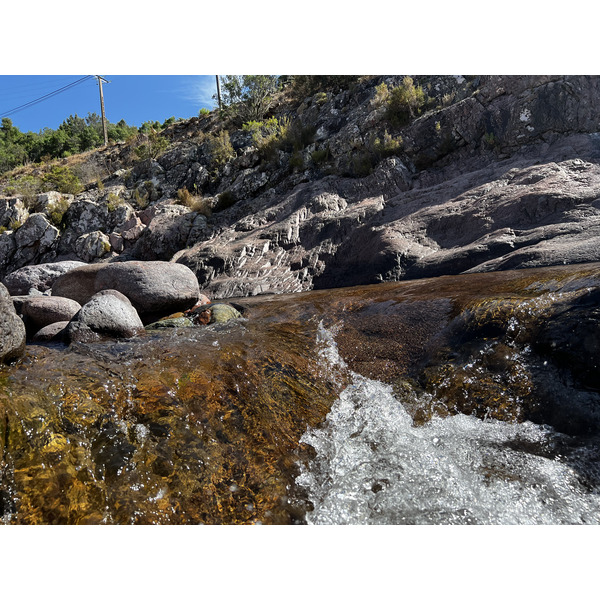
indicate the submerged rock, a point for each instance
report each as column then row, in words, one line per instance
column 170, row 322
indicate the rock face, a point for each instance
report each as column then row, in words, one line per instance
column 39, row 277
column 12, row 330
column 107, row 314
column 497, row 173
column 153, row 287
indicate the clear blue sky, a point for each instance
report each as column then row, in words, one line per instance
column 135, row 98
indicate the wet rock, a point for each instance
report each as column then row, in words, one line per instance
column 12, row 329
column 39, row 311
column 109, row 314
column 154, row 288
column 39, row 277
column 51, row 333
column 171, row 322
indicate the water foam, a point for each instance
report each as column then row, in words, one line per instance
column 373, row 466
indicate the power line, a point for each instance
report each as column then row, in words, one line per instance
column 12, row 111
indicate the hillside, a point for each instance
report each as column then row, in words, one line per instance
column 362, row 180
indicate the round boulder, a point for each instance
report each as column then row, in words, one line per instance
column 12, row 329
column 51, row 333
column 107, row 314
column 155, row 288
column 39, row 311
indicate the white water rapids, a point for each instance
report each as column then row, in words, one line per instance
column 373, row 466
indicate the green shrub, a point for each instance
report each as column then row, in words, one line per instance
column 141, row 200
column 404, row 103
column 388, row 146
column 153, row 148
column 203, row 112
column 113, row 202
column 220, row 148
column 27, row 187
column 320, row 98
column 57, row 212
column 269, row 135
column 63, row 180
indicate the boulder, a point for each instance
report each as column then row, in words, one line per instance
column 107, row 314
column 39, row 277
column 12, row 329
column 39, row 311
column 51, row 333
column 155, row 288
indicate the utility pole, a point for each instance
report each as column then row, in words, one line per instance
column 218, row 91
column 100, row 80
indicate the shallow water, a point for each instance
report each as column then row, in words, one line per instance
column 468, row 399
column 374, row 466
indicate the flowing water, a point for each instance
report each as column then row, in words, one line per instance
column 467, row 400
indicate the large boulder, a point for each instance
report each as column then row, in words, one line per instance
column 39, row 311
column 155, row 288
column 107, row 314
column 12, row 329
column 39, row 277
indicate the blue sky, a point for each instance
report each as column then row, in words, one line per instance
column 135, row 98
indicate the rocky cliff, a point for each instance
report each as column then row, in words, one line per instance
column 494, row 173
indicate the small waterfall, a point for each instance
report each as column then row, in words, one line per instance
column 373, row 466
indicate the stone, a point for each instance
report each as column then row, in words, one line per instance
column 39, row 277
column 51, row 333
column 93, row 245
column 107, row 314
column 39, row 311
column 170, row 323
column 12, row 329
column 155, row 288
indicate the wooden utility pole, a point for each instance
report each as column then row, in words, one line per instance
column 218, row 91
column 100, row 80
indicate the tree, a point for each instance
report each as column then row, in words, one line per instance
column 249, row 97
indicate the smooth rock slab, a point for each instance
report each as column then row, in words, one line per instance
column 40, row 277
column 153, row 287
column 12, row 329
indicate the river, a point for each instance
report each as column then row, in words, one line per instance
column 470, row 399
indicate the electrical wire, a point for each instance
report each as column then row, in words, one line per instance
column 12, row 111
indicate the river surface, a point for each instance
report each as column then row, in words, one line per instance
column 456, row 400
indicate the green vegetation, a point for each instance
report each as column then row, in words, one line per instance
column 248, row 97
column 203, row 112
column 63, row 180
column 153, row 148
column 74, row 135
column 376, row 149
column 113, row 202
column 220, row 148
column 404, row 102
column 57, row 211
